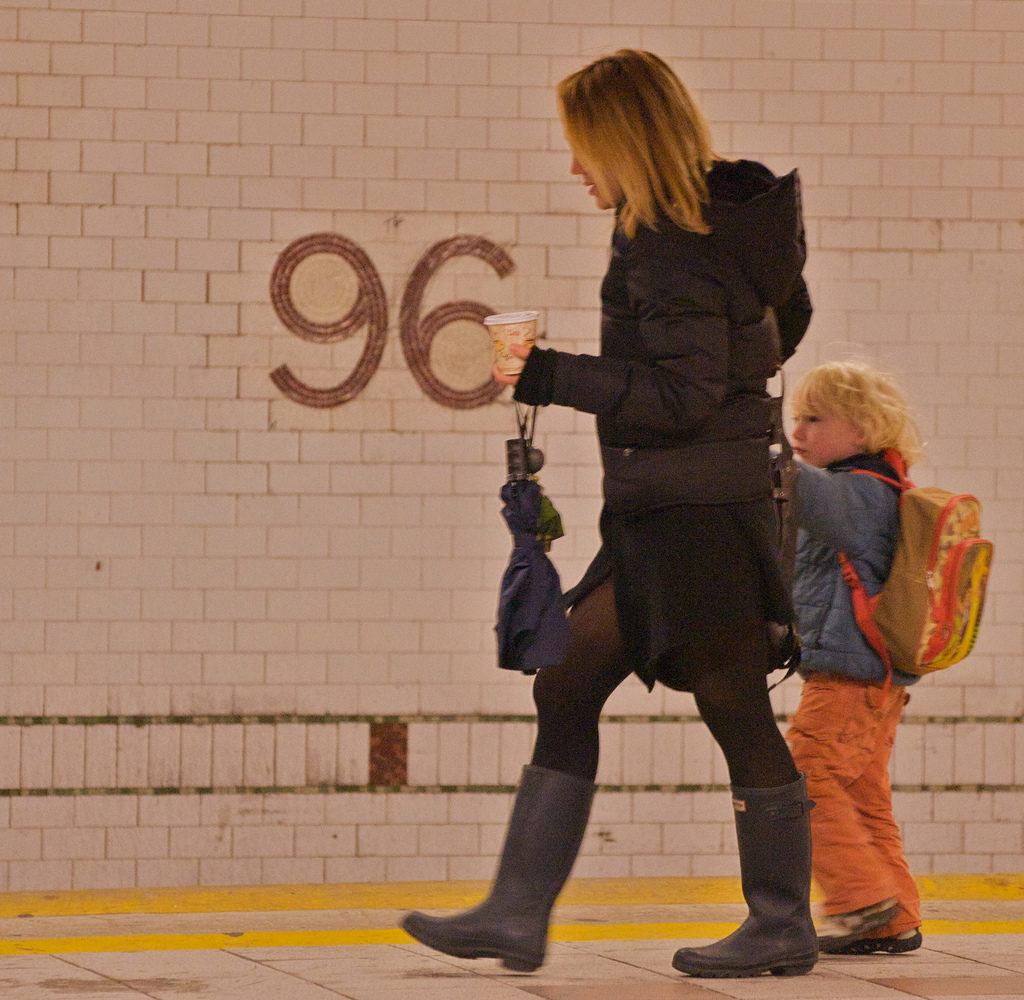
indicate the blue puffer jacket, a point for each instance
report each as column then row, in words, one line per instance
column 841, row 511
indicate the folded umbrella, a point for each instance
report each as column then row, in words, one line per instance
column 532, row 629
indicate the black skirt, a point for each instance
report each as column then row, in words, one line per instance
column 695, row 586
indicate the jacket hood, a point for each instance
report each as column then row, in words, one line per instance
column 756, row 218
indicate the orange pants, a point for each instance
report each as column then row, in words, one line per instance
column 842, row 736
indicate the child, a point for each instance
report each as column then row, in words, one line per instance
column 846, row 414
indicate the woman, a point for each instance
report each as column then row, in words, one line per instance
column 704, row 279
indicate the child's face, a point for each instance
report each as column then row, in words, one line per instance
column 822, row 437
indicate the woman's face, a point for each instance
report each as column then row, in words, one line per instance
column 605, row 192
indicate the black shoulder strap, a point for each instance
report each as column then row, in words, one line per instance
column 784, row 493
column 783, row 638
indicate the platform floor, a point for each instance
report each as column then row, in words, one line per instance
column 611, row 940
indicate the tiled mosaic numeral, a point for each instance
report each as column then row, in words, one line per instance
column 324, row 259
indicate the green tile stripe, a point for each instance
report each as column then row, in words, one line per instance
column 328, row 719
column 9, row 793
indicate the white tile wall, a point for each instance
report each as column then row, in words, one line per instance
column 179, row 539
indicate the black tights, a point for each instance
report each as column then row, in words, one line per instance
column 730, row 689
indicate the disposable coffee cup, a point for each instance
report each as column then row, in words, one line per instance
column 507, row 329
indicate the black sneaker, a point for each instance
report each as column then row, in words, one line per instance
column 842, row 929
column 897, row 944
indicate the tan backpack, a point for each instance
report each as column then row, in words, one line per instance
column 926, row 616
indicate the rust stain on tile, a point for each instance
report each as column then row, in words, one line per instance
column 389, row 754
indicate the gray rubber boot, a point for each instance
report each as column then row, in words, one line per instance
column 544, row 835
column 773, row 831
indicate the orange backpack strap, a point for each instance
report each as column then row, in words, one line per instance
column 898, row 462
column 864, row 612
column 895, row 459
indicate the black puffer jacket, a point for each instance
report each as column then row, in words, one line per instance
column 692, row 327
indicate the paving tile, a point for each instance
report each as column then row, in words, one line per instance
column 212, row 975
column 380, row 973
column 47, row 977
column 817, row 985
column 623, row 989
column 1009, row 985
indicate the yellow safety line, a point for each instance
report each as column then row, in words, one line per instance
column 439, row 895
column 199, row 942
column 388, row 936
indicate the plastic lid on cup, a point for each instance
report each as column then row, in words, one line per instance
column 508, row 319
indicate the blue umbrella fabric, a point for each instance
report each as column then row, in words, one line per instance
column 532, row 629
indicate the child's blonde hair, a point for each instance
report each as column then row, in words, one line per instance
column 868, row 398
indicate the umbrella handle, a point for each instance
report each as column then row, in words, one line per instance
column 522, row 460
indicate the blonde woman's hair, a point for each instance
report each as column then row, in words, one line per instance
column 866, row 396
column 629, row 117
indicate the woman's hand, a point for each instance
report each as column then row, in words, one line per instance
column 520, row 351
